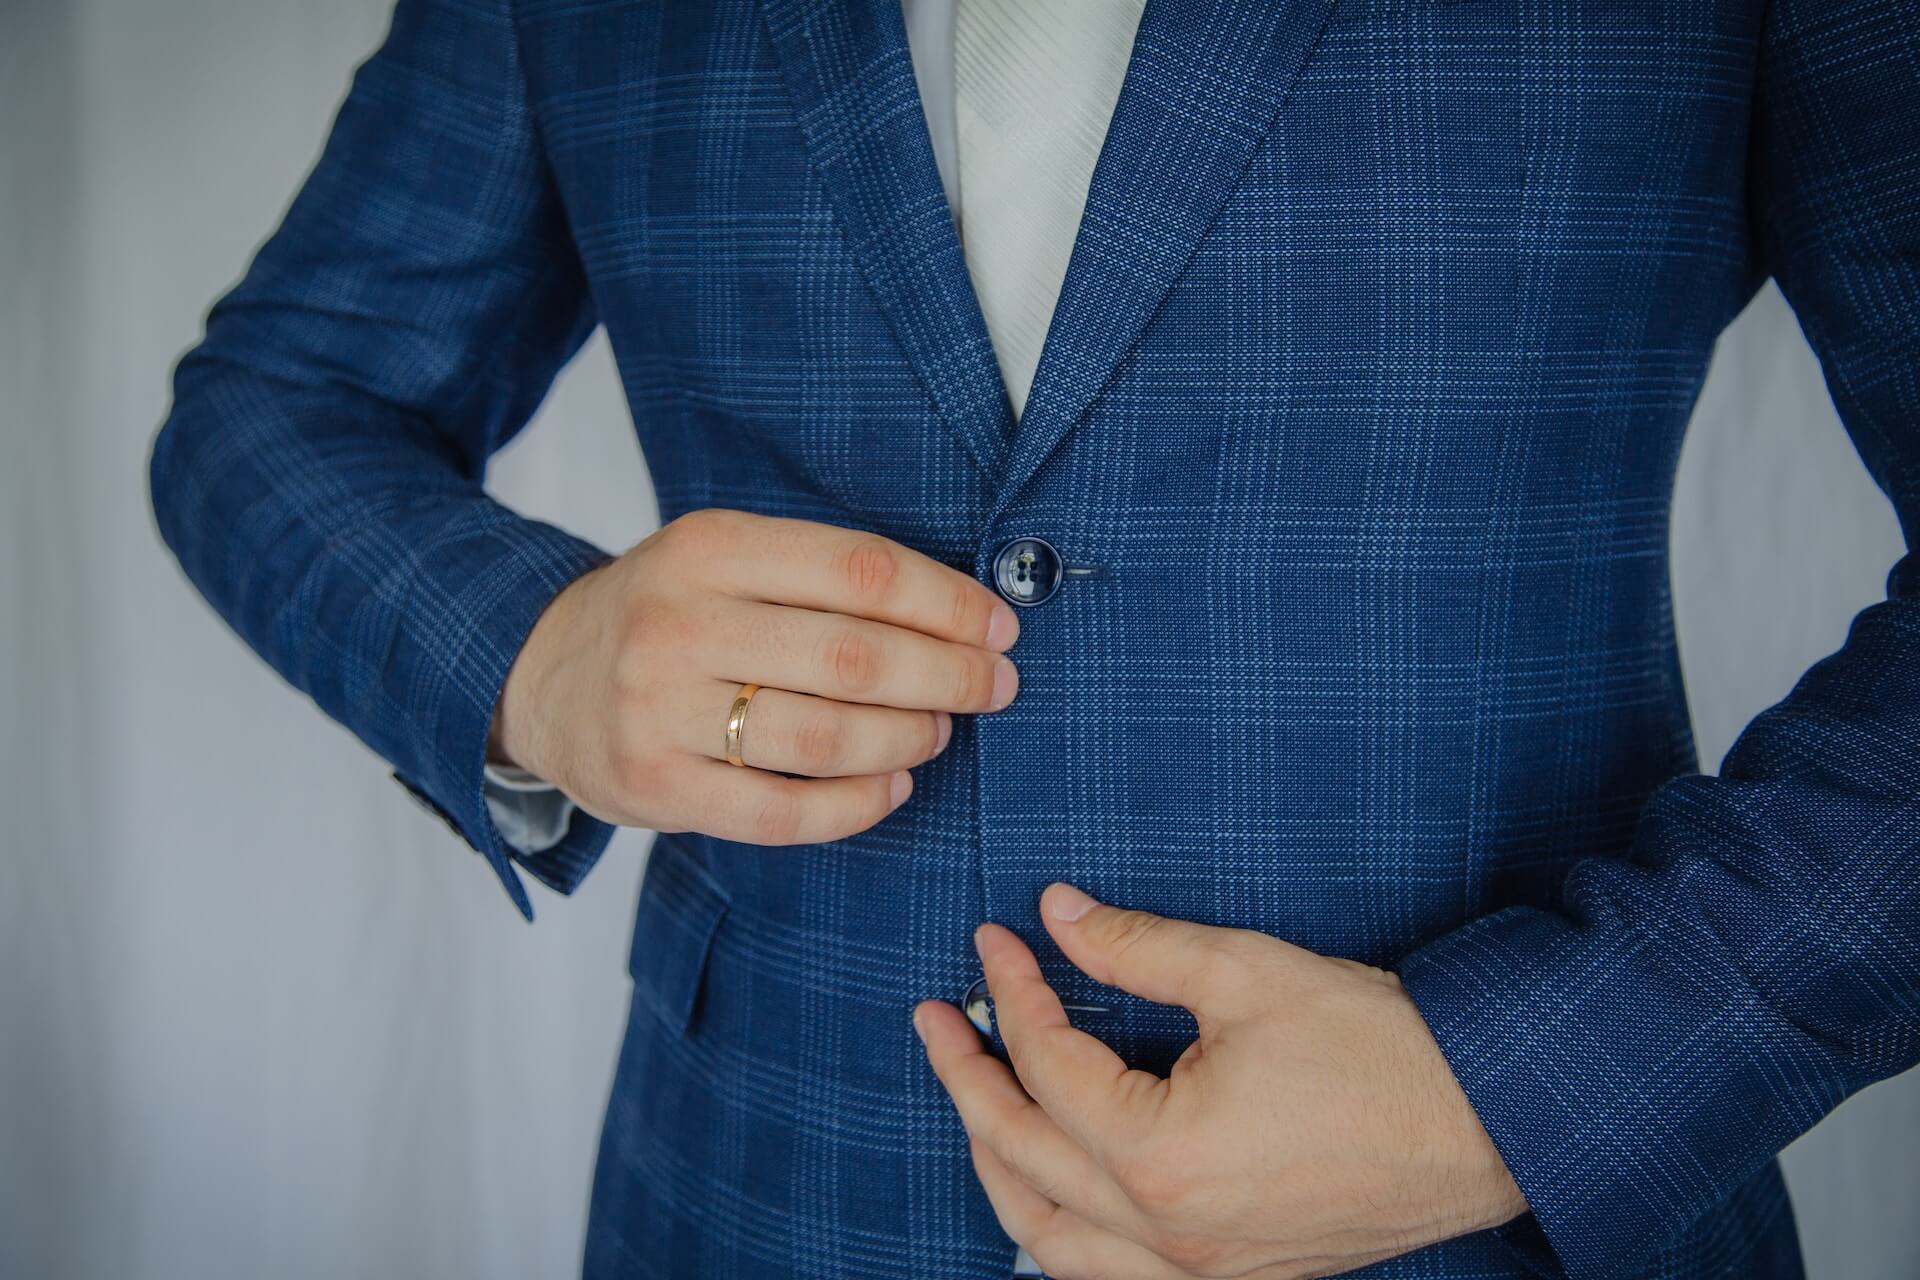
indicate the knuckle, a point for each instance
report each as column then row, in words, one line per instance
column 651, row 626
column 707, row 531
column 1038, row 1179
column 972, row 686
column 1191, row 1252
column 853, row 658
column 1152, row 1184
column 660, row 542
column 871, row 567
column 639, row 773
column 1067, row 1262
column 1246, row 945
column 1198, row 1255
column 776, row 817
column 1231, row 951
column 1164, row 1243
column 960, row 612
column 1058, row 1261
column 1127, row 930
column 690, row 531
column 632, row 670
column 637, row 625
column 820, row 741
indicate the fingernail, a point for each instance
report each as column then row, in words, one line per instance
column 946, row 731
column 900, row 786
column 1068, row 903
column 918, row 1030
column 1002, row 628
column 1005, row 681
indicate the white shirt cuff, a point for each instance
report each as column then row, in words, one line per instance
column 532, row 813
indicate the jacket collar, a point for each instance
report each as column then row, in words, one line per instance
column 1204, row 84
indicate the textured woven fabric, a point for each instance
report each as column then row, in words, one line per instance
column 1364, row 393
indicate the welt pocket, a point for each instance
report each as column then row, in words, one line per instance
column 680, row 908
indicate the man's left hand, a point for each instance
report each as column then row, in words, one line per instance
column 1312, row 1128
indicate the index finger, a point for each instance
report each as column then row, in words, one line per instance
column 1080, row 1083
column 851, row 571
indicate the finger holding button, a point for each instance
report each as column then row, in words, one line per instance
column 857, row 650
column 810, row 565
column 852, row 659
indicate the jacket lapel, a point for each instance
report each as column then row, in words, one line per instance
column 1204, row 84
column 850, row 74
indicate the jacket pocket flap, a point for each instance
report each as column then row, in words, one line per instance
column 680, row 907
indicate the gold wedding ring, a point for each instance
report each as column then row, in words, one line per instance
column 737, row 722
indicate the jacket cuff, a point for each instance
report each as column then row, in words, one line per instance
column 561, row 867
column 1629, row 1086
column 534, row 562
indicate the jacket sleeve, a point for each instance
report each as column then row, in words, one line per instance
column 1755, row 958
column 319, row 471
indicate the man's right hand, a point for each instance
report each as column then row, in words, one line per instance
column 862, row 647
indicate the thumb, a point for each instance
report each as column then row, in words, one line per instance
column 1196, row 966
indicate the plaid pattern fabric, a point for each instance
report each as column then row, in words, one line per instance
column 1364, row 395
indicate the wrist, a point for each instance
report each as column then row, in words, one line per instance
column 497, row 753
column 1499, row 1199
column 1485, row 1194
column 514, row 733
column 1492, row 1197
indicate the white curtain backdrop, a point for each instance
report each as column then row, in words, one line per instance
column 259, row 1016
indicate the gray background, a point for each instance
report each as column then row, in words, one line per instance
column 258, row 1015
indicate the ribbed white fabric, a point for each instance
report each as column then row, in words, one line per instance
column 1035, row 86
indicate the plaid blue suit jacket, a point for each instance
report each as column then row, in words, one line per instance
column 1364, row 395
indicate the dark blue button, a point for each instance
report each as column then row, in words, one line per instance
column 1027, row 571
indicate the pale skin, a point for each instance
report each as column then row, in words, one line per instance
column 864, row 649
column 1313, row 1126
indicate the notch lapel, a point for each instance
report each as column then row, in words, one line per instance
column 850, row 73
column 1202, row 88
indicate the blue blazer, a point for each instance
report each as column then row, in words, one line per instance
column 1363, row 397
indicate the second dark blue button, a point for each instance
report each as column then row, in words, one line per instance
column 1027, row 571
